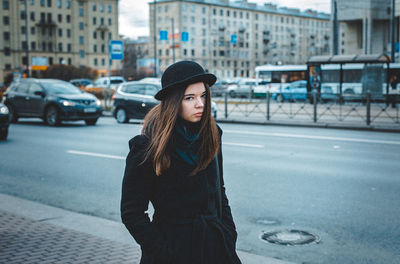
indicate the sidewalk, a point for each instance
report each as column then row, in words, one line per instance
column 31, row 232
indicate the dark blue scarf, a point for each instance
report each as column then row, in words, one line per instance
column 187, row 143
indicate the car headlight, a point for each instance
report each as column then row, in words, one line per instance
column 4, row 110
column 98, row 103
column 67, row 103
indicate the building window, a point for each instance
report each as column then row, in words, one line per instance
column 33, row 45
column 6, row 5
column 32, row 30
column 203, row 10
column 44, row 31
column 7, row 51
column 109, row 21
column 101, row 8
column 81, row 40
column 80, row 25
column 68, row 4
column 109, row 35
column 59, row 3
column 50, row 60
column 22, row 15
column 94, row 20
column 94, row 34
column 23, row 30
column 8, row 66
column 6, row 20
column 94, row 7
column 102, row 21
column 60, row 47
column 102, row 35
column 68, row 33
column 48, row 3
column 94, row 48
column 59, row 18
column 60, row 32
column 68, row 19
column 184, row 52
column 32, row 2
column 103, row 62
column 109, row 8
column 42, row 3
column 82, row 54
column 103, row 48
column 81, row 12
column 227, row 13
column 6, row 35
column 50, row 46
column 214, row 11
column 32, row 16
column 95, row 62
column 221, row 12
column 160, row 52
column 192, row 52
column 69, row 48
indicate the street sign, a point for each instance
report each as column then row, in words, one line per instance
column 116, row 49
column 39, row 63
column 163, row 35
column 185, row 36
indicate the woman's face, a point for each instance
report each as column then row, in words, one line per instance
column 193, row 102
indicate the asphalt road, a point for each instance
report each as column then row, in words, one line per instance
column 341, row 185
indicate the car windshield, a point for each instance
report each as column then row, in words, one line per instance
column 55, row 87
column 116, row 81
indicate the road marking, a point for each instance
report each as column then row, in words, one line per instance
column 95, row 154
column 315, row 137
column 243, row 145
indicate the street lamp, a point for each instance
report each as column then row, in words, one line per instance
column 25, row 2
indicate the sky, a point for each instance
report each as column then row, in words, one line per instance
column 134, row 14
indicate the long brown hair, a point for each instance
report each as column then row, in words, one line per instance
column 159, row 126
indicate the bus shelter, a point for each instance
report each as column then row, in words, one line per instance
column 371, row 78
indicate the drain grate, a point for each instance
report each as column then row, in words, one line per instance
column 290, row 237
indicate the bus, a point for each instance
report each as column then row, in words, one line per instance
column 278, row 77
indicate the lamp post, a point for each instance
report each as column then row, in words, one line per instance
column 26, row 38
column 155, row 38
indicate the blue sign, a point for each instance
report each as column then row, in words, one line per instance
column 233, row 39
column 163, row 35
column 116, row 49
column 185, row 36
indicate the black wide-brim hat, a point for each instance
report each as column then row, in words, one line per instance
column 181, row 74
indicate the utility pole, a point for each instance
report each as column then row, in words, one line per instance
column 26, row 38
column 335, row 29
column 173, row 40
column 392, row 27
column 155, row 38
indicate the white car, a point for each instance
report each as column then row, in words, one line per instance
column 103, row 82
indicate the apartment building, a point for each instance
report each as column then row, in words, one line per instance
column 231, row 38
column 72, row 32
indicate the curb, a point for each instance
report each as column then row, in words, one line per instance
column 294, row 124
column 91, row 225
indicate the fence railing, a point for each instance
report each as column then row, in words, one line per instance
column 351, row 109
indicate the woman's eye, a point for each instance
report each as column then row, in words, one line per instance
column 189, row 98
column 204, row 95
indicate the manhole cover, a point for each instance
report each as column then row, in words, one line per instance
column 290, row 237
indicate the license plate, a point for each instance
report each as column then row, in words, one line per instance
column 89, row 110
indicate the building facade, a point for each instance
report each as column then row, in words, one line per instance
column 365, row 25
column 231, row 38
column 72, row 32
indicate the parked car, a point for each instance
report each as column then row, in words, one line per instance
column 103, row 82
column 214, row 109
column 52, row 100
column 243, row 87
column 4, row 121
column 81, row 83
column 134, row 100
column 219, row 88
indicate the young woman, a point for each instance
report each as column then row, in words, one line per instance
column 173, row 165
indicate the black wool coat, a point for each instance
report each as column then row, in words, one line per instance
column 185, row 227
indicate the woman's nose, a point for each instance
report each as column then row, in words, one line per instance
column 199, row 102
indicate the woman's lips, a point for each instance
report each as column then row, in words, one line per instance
column 199, row 114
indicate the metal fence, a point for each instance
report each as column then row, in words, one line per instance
column 367, row 110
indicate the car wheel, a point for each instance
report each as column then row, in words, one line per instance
column 121, row 116
column 280, row 98
column 232, row 94
column 91, row 122
column 52, row 116
column 3, row 133
column 13, row 115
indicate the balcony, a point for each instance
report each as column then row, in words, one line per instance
column 46, row 23
column 102, row 28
